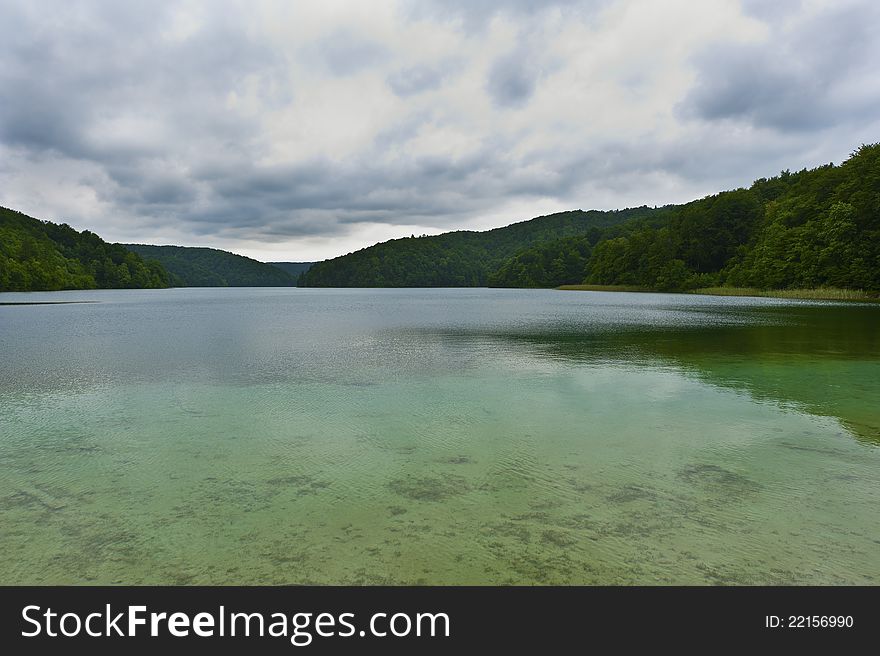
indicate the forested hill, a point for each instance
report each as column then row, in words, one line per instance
column 209, row 267
column 455, row 259
column 293, row 268
column 814, row 228
column 43, row 256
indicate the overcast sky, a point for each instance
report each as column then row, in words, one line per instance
column 305, row 130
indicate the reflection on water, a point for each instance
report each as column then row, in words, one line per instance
column 437, row 436
column 820, row 359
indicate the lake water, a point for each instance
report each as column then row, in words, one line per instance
column 464, row 436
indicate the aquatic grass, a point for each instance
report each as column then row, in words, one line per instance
column 818, row 294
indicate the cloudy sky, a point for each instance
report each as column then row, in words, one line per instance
column 304, row 130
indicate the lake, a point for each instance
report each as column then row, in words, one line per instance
column 437, row 436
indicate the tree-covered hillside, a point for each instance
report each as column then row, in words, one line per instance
column 454, row 259
column 209, row 267
column 43, row 256
column 815, row 228
column 293, row 268
column 548, row 264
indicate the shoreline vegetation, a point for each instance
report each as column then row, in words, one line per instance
column 818, row 294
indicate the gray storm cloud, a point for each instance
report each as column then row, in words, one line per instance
column 319, row 128
column 512, row 80
column 813, row 75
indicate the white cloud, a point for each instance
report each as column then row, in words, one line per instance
column 305, row 130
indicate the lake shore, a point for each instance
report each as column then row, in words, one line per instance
column 819, row 294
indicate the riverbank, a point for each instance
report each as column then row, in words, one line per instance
column 819, row 294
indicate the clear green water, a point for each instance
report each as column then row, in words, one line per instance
column 439, row 437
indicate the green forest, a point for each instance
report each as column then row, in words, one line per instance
column 814, row 228
column 455, row 259
column 209, row 267
column 42, row 256
column 548, row 264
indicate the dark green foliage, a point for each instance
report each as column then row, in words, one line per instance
column 686, row 249
column 825, row 231
column 209, row 267
column 548, row 264
column 293, row 268
column 454, row 259
column 42, row 256
column 810, row 229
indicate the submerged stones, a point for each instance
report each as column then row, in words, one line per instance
column 429, row 488
column 302, row 484
column 716, row 479
column 456, row 460
column 557, row 538
column 629, row 493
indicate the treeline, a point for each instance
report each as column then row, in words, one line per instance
column 548, row 264
column 809, row 229
column 691, row 245
column 454, row 259
column 210, row 267
column 43, row 256
column 815, row 228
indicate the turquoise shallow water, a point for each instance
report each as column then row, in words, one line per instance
column 437, row 436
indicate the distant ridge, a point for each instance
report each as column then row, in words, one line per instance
column 293, row 268
column 456, row 259
column 211, row 267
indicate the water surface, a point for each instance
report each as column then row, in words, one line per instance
column 437, row 436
